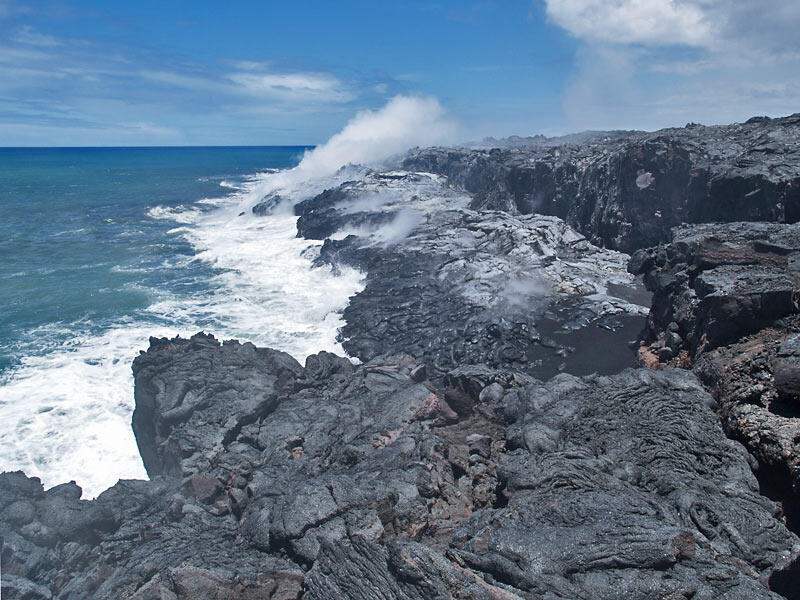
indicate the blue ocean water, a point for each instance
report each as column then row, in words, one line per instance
column 77, row 246
column 101, row 248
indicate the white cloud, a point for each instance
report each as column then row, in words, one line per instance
column 649, row 22
column 159, row 97
column 22, row 56
column 287, row 88
column 25, row 34
column 293, row 86
column 653, row 63
column 151, row 129
column 738, row 27
column 189, row 82
column 758, row 31
column 251, row 65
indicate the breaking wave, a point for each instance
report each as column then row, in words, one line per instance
column 65, row 409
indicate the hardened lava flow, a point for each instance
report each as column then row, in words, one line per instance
column 497, row 439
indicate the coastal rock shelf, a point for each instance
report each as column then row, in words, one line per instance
column 453, row 286
column 494, row 441
column 626, row 190
column 726, row 302
column 525, row 292
column 363, row 482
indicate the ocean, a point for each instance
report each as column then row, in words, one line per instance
column 101, row 248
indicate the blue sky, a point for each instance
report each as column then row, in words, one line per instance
column 182, row 73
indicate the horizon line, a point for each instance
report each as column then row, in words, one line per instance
column 157, row 146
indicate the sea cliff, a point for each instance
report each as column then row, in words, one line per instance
column 526, row 421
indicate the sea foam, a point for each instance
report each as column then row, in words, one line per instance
column 65, row 412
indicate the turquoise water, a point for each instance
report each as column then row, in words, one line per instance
column 101, row 248
column 78, row 249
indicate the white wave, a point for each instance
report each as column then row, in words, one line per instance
column 69, row 232
column 13, row 275
column 65, row 413
column 121, row 269
column 267, row 291
column 216, row 201
column 180, row 213
column 179, row 229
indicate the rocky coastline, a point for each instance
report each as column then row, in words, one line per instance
column 579, row 377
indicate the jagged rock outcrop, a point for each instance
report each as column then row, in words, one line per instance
column 453, row 286
column 440, row 467
column 188, row 403
column 714, row 283
column 626, row 191
column 725, row 302
column 758, row 410
column 367, row 482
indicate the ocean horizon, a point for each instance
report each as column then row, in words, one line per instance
column 101, row 248
column 177, row 146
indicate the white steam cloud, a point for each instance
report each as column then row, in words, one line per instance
column 373, row 136
column 526, row 291
column 369, row 138
column 400, row 227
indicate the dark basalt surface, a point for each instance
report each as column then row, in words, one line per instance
column 725, row 302
column 524, row 292
column 452, row 286
column 471, row 454
column 364, row 482
column 714, row 283
column 625, row 191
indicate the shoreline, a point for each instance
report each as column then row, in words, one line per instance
column 442, row 465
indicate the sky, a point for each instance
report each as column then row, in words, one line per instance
column 169, row 72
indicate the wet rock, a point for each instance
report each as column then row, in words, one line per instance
column 384, row 205
column 488, row 288
column 268, row 205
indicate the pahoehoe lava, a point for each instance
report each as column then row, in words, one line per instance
column 525, row 421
